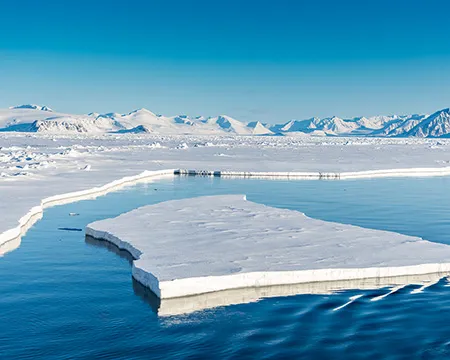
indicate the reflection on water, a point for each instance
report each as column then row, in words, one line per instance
column 147, row 295
column 110, row 247
column 188, row 304
column 183, row 305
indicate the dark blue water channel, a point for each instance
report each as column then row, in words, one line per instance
column 62, row 297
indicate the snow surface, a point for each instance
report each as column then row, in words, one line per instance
column 214, row 243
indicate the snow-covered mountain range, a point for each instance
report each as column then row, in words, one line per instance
column 36, row 118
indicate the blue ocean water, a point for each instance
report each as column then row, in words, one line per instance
column 62, row 297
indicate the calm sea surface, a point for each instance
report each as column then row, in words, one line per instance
column 62, row 297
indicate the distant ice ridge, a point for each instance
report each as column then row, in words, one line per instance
column 36, row 118
column 215, row 243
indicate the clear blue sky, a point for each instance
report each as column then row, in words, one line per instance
column 253, row 60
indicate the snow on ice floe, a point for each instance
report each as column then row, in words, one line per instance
column 208, row 244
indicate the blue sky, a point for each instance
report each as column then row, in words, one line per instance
column 253, row 60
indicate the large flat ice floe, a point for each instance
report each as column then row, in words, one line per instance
column 215, row 243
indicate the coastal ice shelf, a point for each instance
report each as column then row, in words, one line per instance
column 214, row 243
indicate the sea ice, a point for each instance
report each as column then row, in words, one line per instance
column 35, row 167
column 215, row 243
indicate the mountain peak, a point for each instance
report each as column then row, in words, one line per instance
column 32, row 107
column 440, row 113
column 435, row 125
column 141, row 111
